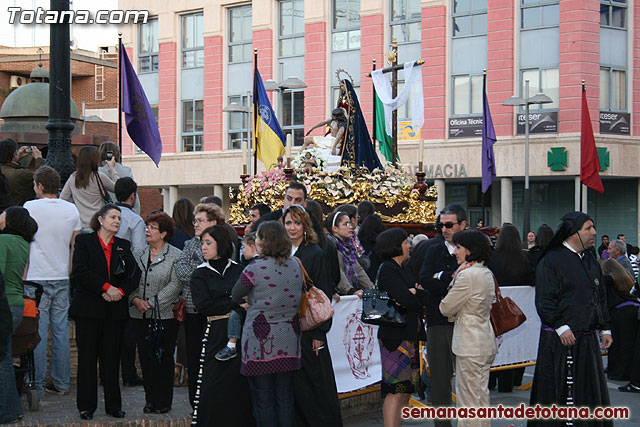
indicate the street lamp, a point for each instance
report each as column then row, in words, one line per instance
column 235, row 107
column 539, row 98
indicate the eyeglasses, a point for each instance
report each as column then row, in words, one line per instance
column 152, row 227
column 199, row 221
column 447, row 224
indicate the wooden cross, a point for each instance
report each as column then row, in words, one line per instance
column 392, row 59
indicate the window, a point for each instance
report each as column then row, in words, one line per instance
column 469, row 18
column 240, row 35
column 291, row 32
column 346, row 25
column 293, row 115
column 406, row 17
column 467, row 95
column 613, row 89
column 238, row 123
column 539, row 13
column 192, row 125
column 613, row 13
column 192, row 41
column 148, row 46
column 545, row 80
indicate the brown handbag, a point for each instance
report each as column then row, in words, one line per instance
column 180, row 311
column 505, row 313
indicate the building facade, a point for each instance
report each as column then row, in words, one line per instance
column 194, row 57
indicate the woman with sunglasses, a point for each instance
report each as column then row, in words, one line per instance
column 353, row 278
column 316, row 395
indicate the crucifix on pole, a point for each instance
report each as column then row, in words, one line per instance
column 393, row 68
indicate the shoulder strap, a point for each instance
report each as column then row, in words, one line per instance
column 375, row 284
column 495, row 283
column 103, row 192
column 308, row 283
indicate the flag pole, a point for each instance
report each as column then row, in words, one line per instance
column 484, row 90
column 581, row 184
column 120, row 92
column 255, row 113
column 374, row 106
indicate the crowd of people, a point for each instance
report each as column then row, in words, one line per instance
column 186, row 296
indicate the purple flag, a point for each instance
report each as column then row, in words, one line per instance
column 488, row 139
column 141, row 123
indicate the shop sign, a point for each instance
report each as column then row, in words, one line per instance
column 445, row 171
column 615, row 123
column 541, row 122
column 465, row 127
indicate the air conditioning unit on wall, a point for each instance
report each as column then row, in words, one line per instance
column 17, row 81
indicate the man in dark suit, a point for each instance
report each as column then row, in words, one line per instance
column 435, row 276
column 419, row 251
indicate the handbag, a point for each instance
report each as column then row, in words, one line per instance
column 505, row 314
column 315, row 307
column 180, row 311
column 378, row 308
column 106, row 198
column 154, row 339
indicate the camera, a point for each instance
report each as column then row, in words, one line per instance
column 109, row 155
column 28, row 150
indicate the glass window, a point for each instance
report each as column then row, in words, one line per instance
column 148, row 46
column 346, row 25
column 291, row 35
column 469, row 18
column 240, row 35
column 293, row 114
column 192, row 125
column 192, row 40
column 238, row 127
column 467, row 95
column 613, row 89
column 545, row 80
column 539, row 13
column 406, row 17
column 613, row 13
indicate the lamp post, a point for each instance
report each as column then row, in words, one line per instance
column 234, row 107
column 539, row 98
column 59, row 124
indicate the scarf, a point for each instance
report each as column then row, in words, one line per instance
column 462, row 266
column 348, row 253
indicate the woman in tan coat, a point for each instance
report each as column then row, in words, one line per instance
column 468, row 304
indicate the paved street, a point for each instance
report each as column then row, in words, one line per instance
column 61, row 410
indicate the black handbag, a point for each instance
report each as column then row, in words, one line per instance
column 378, row 308
column 155, row 334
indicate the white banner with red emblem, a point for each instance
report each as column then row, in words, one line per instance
column 354, row 348
column 355, row 351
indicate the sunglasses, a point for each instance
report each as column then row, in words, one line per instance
column 447, row 224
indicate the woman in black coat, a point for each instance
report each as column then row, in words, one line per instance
column 399, row 346
column 222, row 393
column 103, row 275
column 623, row 311
column 316, row 394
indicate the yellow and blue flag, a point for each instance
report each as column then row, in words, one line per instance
column 269, row 138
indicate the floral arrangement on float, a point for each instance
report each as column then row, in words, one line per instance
column 299, row 162
column 394, row 191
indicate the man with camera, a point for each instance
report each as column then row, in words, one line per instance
column 20, row 178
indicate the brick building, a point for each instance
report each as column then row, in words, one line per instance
column 196, row 58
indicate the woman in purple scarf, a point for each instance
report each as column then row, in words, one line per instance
column 353, row 278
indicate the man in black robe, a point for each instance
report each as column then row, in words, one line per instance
column 571, row 303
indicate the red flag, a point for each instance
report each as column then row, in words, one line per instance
column 589, row 163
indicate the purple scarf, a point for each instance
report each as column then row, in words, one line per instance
column 348, row 253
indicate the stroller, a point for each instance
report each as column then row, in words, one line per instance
column 23, row 343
